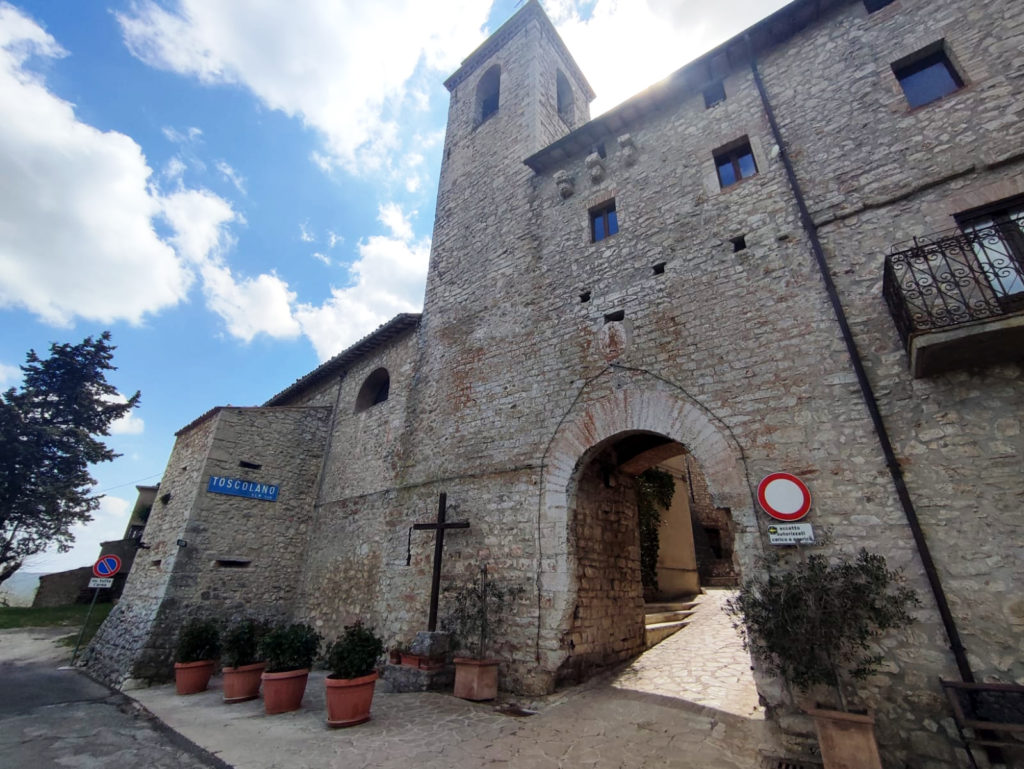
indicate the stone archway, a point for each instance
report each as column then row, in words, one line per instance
column 583, row 434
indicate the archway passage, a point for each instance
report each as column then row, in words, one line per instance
column 620, row 582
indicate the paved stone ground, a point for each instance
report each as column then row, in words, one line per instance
column 704, row 663
column 57, row 717
column 635, row 718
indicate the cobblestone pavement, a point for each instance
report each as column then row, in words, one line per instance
column 673, row 707
column 704, row 663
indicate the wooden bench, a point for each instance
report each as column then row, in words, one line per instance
column 993, row 713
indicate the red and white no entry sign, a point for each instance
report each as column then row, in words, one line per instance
column 784, row 497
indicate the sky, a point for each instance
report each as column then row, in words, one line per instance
column 239, row 191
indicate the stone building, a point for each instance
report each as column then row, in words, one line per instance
column 801, row 252
column 69, row 587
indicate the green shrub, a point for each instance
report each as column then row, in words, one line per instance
column 355, row 653
column 289, row 647
column 817, row 620
column 199, row 640
column 240, row 642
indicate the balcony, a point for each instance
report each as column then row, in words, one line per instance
column 957, row 297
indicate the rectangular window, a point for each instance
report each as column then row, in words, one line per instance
column 996, row 235
column 734, row 162
column 713, row 94
column 927, row 75
column 603, row 221
column 876, row 5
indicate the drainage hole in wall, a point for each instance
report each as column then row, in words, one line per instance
column 612, row 317
column 738, row 244
column 659, row 268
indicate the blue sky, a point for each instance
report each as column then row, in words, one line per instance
column 239, row 191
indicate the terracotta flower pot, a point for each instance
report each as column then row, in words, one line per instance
column 847, row 740
column 411, row 660
column 349, row 699
column 192, row 677
column 283, row 691
column 476, row 680
column 242, row 683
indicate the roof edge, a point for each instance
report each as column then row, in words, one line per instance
column 340, row 362
column 739, row 50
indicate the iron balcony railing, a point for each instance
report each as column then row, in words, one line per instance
column 955, row 277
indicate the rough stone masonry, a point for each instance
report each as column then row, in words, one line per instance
column 547, row 358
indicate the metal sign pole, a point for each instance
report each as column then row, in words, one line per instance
column 95, row 595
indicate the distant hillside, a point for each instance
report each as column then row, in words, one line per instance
column 20, row 589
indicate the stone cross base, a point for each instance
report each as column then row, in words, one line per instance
column 403, row 678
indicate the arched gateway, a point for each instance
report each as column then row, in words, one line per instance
column 646, row 425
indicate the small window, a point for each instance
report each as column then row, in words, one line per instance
column 738, row 244
column 876, row 5
column 374, row 390
column 927, row 75
column 566, row 103
column 135, row 531
column 713, row 94
column 488, row 91
column 734, row 162
column 604, row 222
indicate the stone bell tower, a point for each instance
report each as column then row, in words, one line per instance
column 514, row 95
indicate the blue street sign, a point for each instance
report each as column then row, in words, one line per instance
column 236, row 487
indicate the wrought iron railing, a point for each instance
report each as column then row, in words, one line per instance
column 955, row 277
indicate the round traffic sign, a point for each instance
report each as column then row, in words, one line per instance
column 784, row 497
column 107, row 566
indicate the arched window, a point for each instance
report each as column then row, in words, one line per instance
column 374, row 390
column 487, row 92
column 566, row 103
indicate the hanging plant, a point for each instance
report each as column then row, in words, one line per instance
column 654, row 491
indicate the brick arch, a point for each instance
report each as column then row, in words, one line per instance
column 590, row 427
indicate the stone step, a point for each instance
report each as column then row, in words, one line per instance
column 653, row 618
column 656, row 633
column 653, row 608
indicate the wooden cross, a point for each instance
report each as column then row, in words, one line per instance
column 438, row 526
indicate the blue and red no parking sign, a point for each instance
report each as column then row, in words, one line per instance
column 107, row 566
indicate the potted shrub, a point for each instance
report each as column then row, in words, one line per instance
column 289, row 651
column 815, row 624
column 477, row 611
column 242, row 663
column 197, row 652
column 352, row 659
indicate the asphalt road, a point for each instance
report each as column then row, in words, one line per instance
column 53, row 717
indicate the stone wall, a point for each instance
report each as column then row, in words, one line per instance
column 64, row 588
column 608, row 624
column 240, row 556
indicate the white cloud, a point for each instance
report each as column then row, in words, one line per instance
column 387, row 279
column 304, row 234
column 392, row 217
column 334, row 239
column 322, row 258
column 251, row 306
column 627, row 45
column 10, row 376
column 345, row 68
column 78, row 209
column 231, row 175
column 129, row 424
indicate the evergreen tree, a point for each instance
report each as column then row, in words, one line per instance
column 48, row 432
